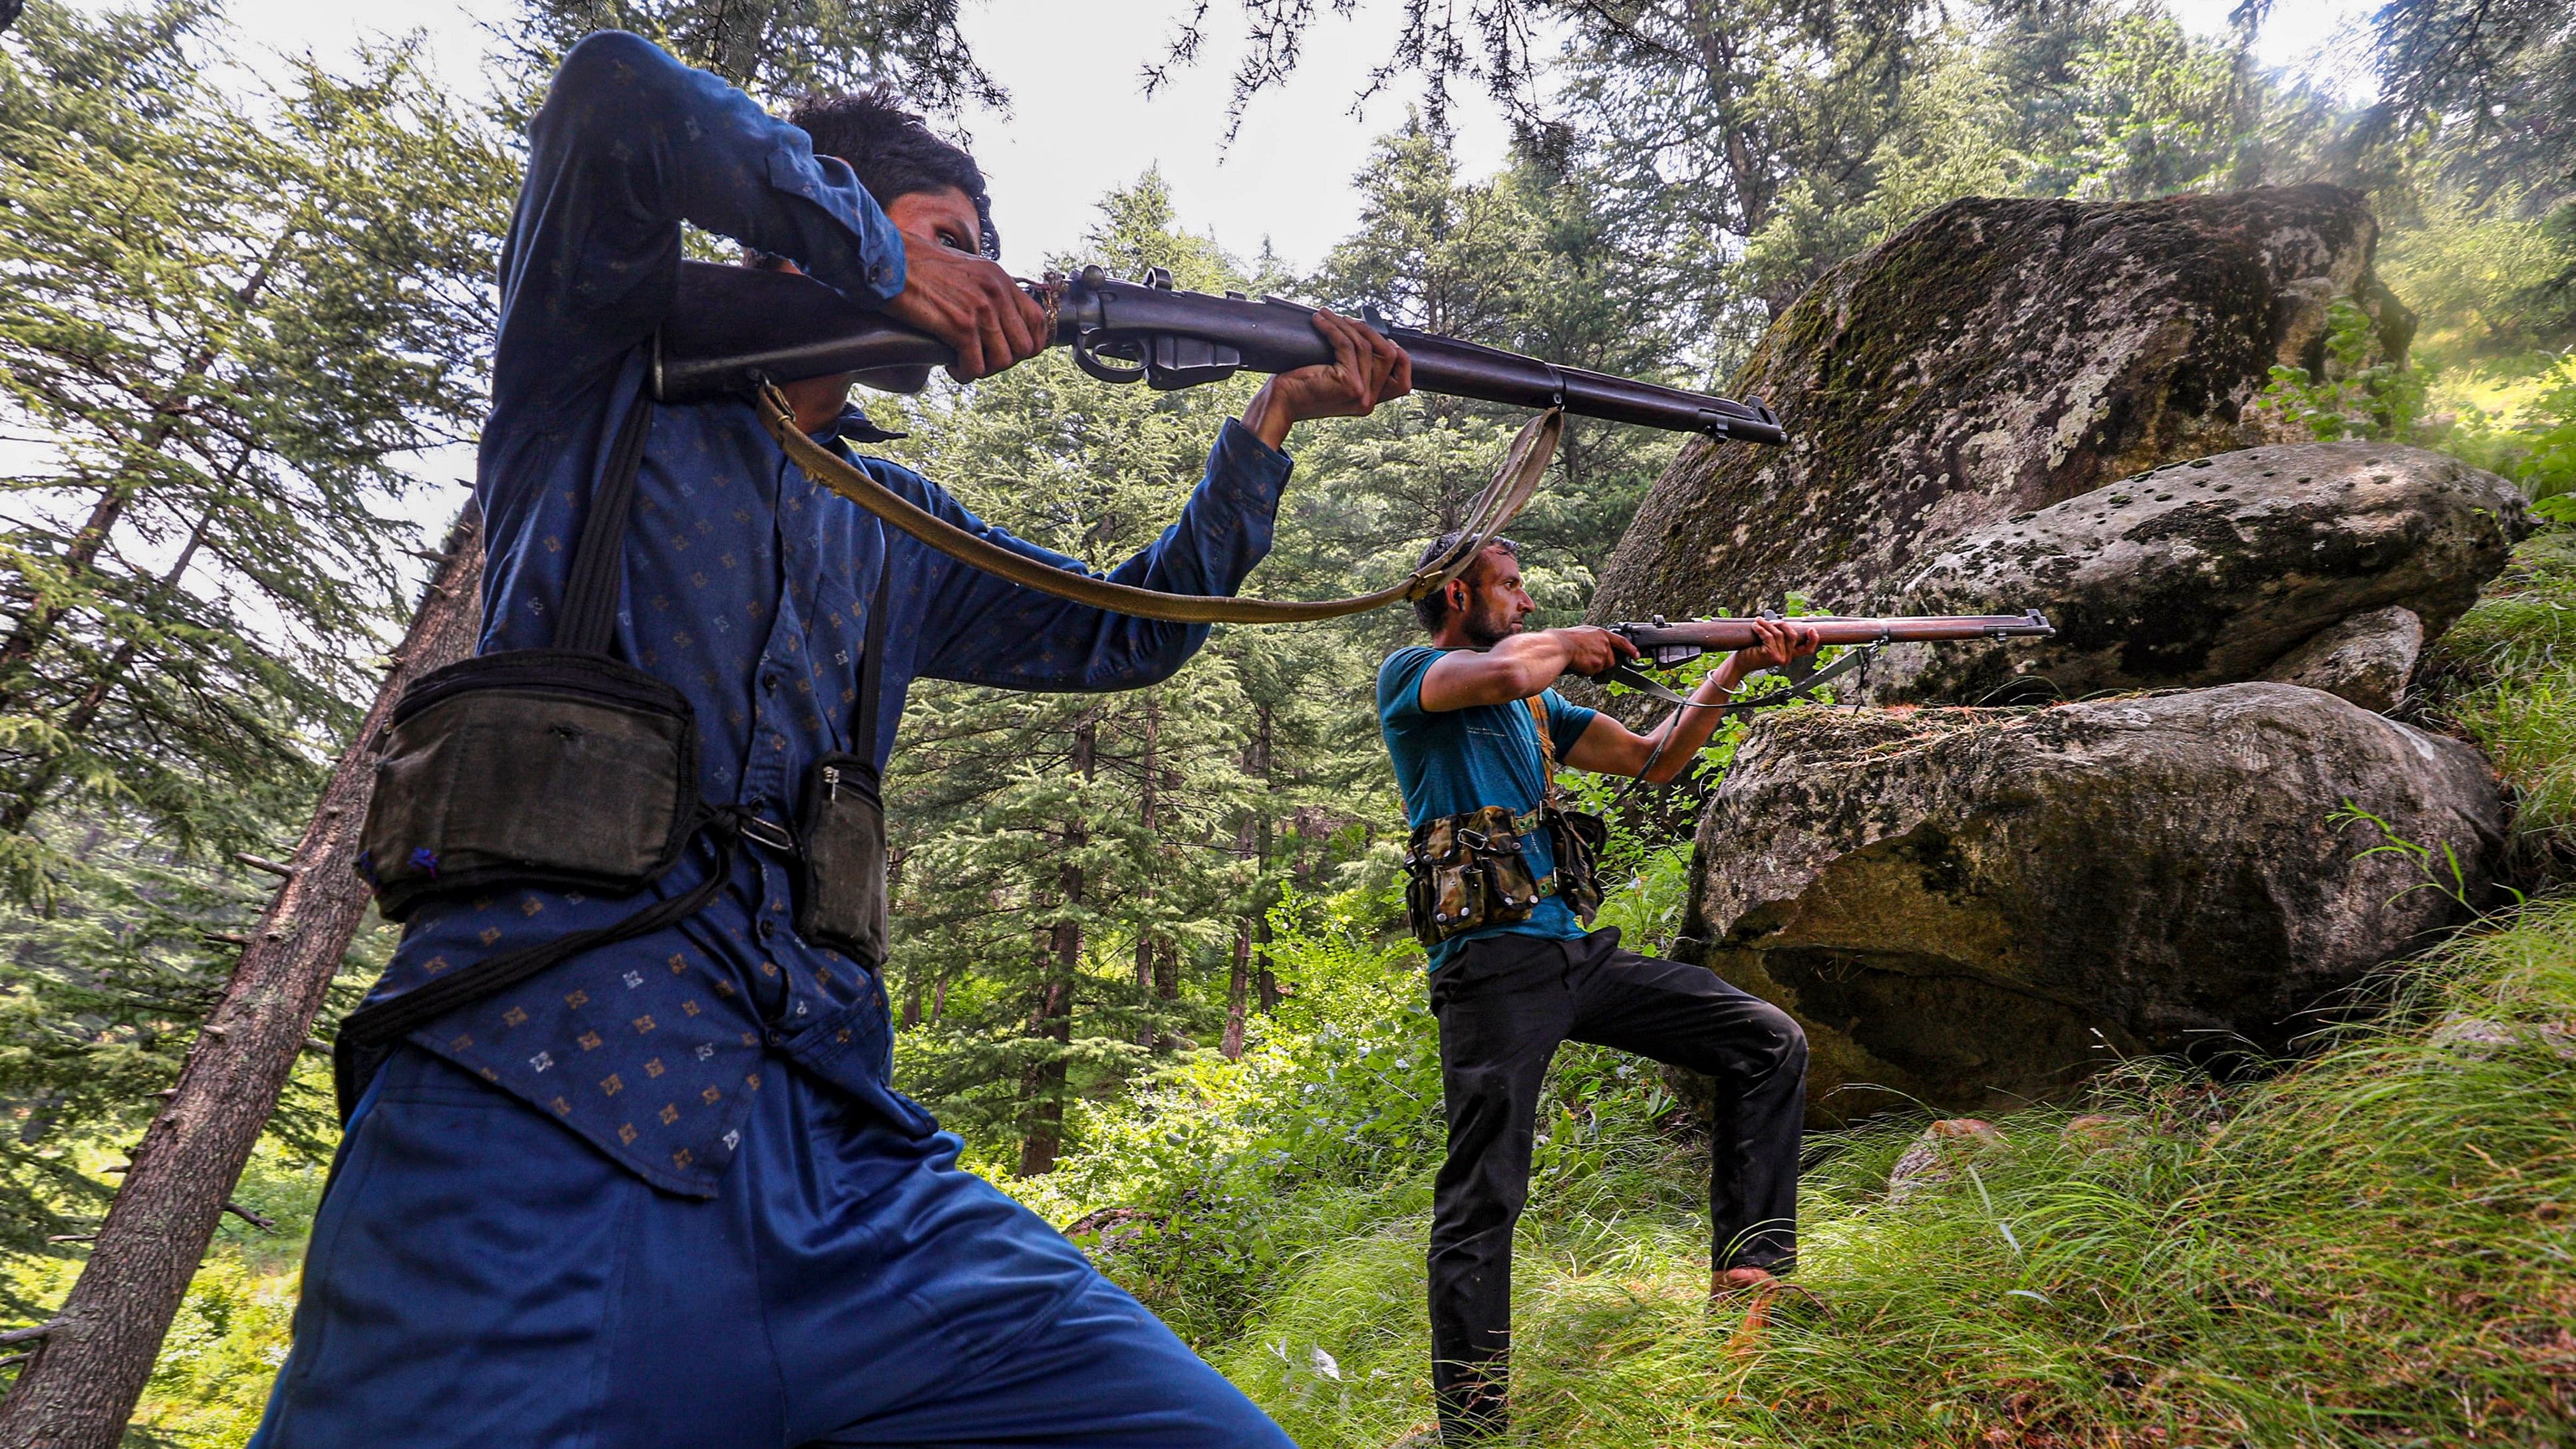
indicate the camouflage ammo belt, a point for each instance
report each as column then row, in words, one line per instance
column 1466, row 872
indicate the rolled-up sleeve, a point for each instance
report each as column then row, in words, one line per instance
column 629, row 145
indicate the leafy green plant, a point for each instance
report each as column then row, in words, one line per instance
column 2368, row 1250
column 2547, row 468
column 2361, row 395
column 2505, row 677
column 2534, row 443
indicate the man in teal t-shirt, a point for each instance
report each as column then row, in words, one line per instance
column 1452, row 761
column 1459, row 728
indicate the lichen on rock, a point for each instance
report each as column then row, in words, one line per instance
column 1972, row 908
column 1995, row 356
column 2216, row 571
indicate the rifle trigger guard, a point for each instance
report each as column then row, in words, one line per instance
column 1088, row 357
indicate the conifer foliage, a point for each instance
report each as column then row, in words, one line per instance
column 1072, row 865
column 232, row 310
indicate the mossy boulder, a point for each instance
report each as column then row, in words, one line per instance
column 1994, row 357
column 2242, row 566
column 1972, row 908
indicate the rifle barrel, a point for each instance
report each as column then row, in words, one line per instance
column 730, row 327
column 1837, row 629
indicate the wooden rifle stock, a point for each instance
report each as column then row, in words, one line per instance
column 1662, row 645
column 730, row 329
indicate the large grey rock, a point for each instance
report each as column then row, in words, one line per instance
column 1994, row 357
column 2366, row 659
column 2212, row 571
column 1970, row 908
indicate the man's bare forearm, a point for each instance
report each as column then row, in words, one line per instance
column 1512, row 670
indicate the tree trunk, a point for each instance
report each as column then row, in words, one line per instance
column 912, row 978
column 1043, row 1085
column 84, row 1378
column 1267, row 984
column 1150, row 777
column 1234, row 985
column 1044, row 1136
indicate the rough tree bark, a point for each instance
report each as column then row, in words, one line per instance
column 1266, row 984
column 91, row 1364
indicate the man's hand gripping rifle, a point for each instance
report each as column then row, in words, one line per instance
column 1661, row 645
column 731, row 329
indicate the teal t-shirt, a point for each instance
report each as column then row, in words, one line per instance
column 1448, row 762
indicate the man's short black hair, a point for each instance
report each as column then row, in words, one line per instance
column 1433, row 608
column 893, row 150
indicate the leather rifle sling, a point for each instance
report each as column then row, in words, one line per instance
column 1514, row 482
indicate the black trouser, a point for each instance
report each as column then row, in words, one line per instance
column 1503, row 1005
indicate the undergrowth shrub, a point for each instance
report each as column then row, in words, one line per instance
column 1216, row 1182
column 2371, row 1248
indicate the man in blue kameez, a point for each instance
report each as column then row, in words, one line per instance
column 662, row 1192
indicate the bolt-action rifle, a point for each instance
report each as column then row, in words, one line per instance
column 730, row 329
column 1662, row 645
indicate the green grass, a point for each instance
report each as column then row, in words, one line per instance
column 2505, row 677
column 2371, row 1249
column 211, row 1381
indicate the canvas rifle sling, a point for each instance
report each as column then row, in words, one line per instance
column 1523, row 464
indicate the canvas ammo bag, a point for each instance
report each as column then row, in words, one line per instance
column 1467, row 871
column 565, row 767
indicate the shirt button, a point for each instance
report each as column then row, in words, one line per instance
column 769, row 684
column 766, row 929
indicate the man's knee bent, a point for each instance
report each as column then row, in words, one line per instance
column 1782, row 1044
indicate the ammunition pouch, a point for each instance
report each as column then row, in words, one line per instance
column 540, row 766
column 1466, row 872
column 840, row 827
column 841, row 855
column 1576, row 840
column 564, row 767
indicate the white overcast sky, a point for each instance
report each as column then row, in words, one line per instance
column 1079, row 124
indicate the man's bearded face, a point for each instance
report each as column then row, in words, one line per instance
column 1497, row 605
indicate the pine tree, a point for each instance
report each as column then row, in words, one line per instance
column 226, row 322
column 1058, row 866
column 229, row 316
column 1527, row 260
